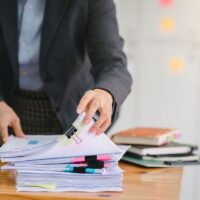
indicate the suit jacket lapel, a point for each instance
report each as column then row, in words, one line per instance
column 9, row 24
column 54, row 12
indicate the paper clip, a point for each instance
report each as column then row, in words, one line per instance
column 72, row 134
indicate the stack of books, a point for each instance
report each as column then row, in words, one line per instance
column 156, row 147
column 75, row 161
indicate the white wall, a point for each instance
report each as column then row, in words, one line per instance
column 161, row 97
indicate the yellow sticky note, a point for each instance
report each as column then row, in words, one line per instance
column 176, row 64
column 167, row 24
column 51, row 186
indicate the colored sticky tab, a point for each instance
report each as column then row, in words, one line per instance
column 78, row 159
column 176, row 64
column 90, row 170
column 167, row 24
column 51, row 186
column 33, row 142
column 104, row 157
column 79, row 170
column 166, row 2
column 68, row 169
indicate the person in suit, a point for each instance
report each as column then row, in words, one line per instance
column 59, row 59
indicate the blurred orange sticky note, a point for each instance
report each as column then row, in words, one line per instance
column 166, row 2
column 176, row 64
column 167, row 24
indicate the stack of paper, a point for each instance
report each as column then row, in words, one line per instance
column 155, row 147
column 172, row 154
column 80, row 162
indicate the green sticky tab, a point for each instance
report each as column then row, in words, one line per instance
column 51, row 186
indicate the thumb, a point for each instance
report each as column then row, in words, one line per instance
column 17, row 128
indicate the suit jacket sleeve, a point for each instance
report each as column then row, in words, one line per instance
column 1, row 97
column 109, row 63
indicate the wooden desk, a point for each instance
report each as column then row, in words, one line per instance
column 139, row 184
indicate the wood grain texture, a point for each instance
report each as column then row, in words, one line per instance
column 139, row 184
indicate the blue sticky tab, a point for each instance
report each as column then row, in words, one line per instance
column 90, row 170
column 33, row 142
column 68, row 169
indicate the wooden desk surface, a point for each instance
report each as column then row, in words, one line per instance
column 139, row 184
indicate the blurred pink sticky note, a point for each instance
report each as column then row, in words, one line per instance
column 166, row 2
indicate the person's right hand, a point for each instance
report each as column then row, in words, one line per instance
column 8, row 118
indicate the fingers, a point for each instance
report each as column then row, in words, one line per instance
column 102, row 123
column 92, row 101
column 8, row 118
column 88, row 96
column 16, row 125
column 4, row 133
column 104, row 126
column 93, row 107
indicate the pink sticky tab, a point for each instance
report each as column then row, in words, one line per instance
column 166, row 2
column 83, row 165
column 79, row 159
column 103, row 157
column 107, row 165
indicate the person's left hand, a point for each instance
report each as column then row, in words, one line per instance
column 93, row 100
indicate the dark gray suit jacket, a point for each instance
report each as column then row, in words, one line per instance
column 80, row 49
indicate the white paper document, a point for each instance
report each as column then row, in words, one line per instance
column 16, row 146
column 89, row 144
column 79, row 161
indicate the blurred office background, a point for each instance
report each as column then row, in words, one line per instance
column 162, row 42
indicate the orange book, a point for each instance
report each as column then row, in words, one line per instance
column 146, row 136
